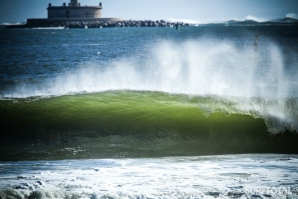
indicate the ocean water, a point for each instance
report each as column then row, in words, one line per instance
column 203, row 112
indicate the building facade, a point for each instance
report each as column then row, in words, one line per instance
column 74, row 10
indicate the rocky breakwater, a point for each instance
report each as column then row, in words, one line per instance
column 100, row 23
column 95, row 23
column 123, row 23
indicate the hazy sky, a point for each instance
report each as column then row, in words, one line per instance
column 193, row 10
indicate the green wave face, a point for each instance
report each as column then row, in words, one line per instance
column 133, row 124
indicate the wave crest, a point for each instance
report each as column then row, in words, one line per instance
column 292, row 15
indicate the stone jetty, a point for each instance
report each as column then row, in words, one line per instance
column 122, row 23
column 99, row 24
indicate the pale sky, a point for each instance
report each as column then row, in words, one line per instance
column 188, row 10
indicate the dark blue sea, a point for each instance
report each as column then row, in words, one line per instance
column 201, row 112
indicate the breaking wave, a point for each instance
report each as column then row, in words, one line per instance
column 179, row 98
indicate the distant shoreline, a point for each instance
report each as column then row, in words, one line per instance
column 118, row 22
column 94, row 23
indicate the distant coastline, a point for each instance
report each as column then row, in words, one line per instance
column 118, row 22
column 94, row 23
column 74, row 15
